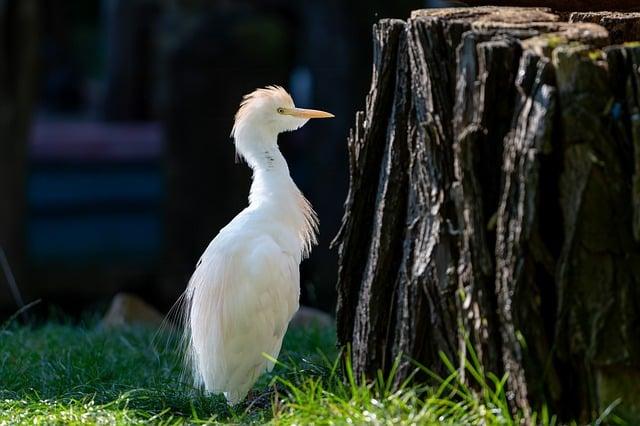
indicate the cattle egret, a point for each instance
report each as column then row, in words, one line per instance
column 246, row 285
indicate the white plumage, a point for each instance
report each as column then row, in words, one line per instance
column 246, row 286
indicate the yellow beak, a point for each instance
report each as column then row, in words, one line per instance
column 306, row 113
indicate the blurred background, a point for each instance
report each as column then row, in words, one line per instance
column 116, row 166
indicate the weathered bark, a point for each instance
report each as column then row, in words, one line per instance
column 492, row 140
column 523, row 264
column 622, row 27
column 571, row 5
column 385, row 247
column 18, row 53
column 362, row 191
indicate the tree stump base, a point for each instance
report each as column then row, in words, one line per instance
column 495, row 195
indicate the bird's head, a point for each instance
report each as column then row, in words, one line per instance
column 271, row 111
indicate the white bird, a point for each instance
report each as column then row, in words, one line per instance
column 246, row 286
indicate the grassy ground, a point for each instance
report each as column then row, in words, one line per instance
column 70, row 374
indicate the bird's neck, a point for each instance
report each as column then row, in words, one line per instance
column 259, row 147
column 271, row 178
column 260, row 151
column 276, row 195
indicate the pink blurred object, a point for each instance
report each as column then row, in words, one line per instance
column 95, row 141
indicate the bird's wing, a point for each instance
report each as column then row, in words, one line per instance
column 248, row 303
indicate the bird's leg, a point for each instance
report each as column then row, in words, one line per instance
column 257, row 399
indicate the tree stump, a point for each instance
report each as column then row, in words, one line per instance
column 495, row 195
column 565, row 5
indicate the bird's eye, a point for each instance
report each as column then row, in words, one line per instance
column 280, row 110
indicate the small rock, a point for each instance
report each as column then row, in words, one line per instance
column 127, row 309
column 311, row 317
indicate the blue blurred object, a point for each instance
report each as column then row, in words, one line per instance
column 116, row 239
column 616, row 111
column 301, row 85
column 68, row 187
column 445, row 3
column 95, row 194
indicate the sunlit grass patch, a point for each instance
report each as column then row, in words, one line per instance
column 321, row 400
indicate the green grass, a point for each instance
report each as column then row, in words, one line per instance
column 66, row 374
column 69, row 374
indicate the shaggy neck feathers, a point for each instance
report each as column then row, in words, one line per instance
column 273, row 190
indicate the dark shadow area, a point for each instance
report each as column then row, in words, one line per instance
column 119, row 167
